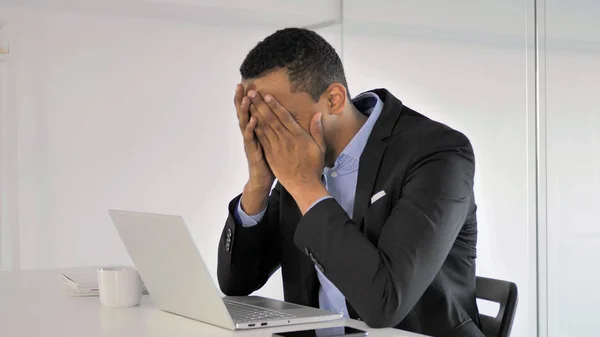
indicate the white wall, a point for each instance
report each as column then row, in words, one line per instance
column 130, row 111
column 4, row 238
column 572, row 87
column 8, row 162
column 464, row 64
column 122, row 113
column 135, row 113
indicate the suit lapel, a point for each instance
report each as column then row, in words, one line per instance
column 370, row 160
column 367, row 174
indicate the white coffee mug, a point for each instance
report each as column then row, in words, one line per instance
column 119, row 286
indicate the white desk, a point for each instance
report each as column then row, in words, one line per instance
column 35, row 303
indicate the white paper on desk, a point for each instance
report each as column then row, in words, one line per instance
column 83, row 284
column 80, row 282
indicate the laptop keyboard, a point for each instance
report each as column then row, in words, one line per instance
column 244, row 313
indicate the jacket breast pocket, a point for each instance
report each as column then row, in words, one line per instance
column 376, row 215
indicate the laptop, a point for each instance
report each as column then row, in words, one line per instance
column 176, row 276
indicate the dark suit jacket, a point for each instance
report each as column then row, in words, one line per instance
column 405, row 261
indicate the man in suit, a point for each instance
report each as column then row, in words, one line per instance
column 373, row 213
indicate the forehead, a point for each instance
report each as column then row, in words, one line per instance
column 276, row 83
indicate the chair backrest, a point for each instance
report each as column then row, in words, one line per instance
column 504, row 293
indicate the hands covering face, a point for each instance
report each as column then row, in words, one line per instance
column 295, row 156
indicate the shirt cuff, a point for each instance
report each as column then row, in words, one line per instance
column 248, row 220
column 318, row 201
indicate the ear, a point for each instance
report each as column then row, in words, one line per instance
column 336, row 98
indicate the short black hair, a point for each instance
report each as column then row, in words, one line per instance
column 311, row 62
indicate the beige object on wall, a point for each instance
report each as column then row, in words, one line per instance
column 3, row 39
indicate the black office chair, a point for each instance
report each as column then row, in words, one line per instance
column 502, row 292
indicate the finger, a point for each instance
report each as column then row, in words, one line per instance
column 283, row 115
column 249, row 130
column 262, row 139
column 265, row 115
column 316, row 130
column 263, row 125
column 238, row 100
column 239, row 94
column 244, row 114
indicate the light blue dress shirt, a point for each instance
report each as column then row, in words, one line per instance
column 340, row 181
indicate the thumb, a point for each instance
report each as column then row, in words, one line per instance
column 316, row 130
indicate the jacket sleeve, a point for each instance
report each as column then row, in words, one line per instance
column 248, row 256
column 384, row 280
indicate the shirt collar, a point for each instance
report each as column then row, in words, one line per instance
column 370, row 105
